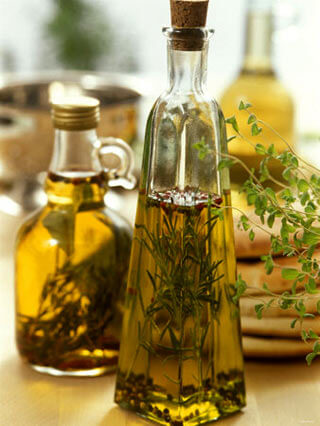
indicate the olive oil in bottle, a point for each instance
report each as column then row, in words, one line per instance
column 180, row 359
column 179, row 304
column 72, row 258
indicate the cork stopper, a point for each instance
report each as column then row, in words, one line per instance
column 188, row 14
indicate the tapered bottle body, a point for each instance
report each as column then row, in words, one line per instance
column 181, row 357
column 259, row 85
column 71, row 264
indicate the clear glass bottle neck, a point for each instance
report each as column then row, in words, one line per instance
column 75, row 177
column 73, row 152
column 187, row 70
column 258, row 47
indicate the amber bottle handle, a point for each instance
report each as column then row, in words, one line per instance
column 117, row 161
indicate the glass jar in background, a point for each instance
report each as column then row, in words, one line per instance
column 72, row 255
column 259, row 85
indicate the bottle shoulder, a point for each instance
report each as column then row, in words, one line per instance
column 268, row 96
column 194, row 105
column 258, row 87
column 171, row 99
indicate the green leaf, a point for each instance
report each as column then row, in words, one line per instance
column 255, row 129
column 251, row 199
column 316, row 347
column 305, row 197
column 304, row 335
column 308, row 316
column 174, row 340
column 269, row 264
column 233, row 121
column 202, row 148
column 313, row 335
column 204, row 334
column 231, row 138
column 244, row 222
column 272, row 150
column 252, row 119
column 259, row 309
column 266, row 288
column 301, row 309
column 244, row 106
column 293, row 323
column 271, row 220
column 289, row 273
column 297, row 241
column 241, row 287
column 311, row 207
column 287, row 195
column 303, row 185
column 270, row 192
column 318, row 306
column 225, row 163
column 312, row 237
column 251, row 235
column 263, row 170
column 310, row 357
column 311, row 286
column 286, row 174
column 260, row 149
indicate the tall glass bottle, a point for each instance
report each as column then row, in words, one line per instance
column 258, row 85
column 72, row 255
column 181, row 357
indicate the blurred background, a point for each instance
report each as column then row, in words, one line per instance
column 115, row 50
column 125, row 36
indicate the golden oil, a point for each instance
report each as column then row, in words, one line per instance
column 182, row 363
column 71, row 265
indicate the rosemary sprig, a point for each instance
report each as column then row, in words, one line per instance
column 184, row 283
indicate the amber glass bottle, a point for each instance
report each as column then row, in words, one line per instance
column 258, row 85
column 181, row 357
column 72, row 255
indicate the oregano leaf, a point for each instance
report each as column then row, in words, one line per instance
column 252, row 119
column 259, row 309
column 244, row 106
column 310, row 357
column 289, row 273
column 255, row 129
column 233, row 121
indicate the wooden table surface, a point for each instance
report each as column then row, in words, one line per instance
column 279, row 393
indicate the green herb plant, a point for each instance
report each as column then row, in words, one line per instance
column 178, row 253
column 296, row 204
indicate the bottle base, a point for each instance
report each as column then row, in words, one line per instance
column 159, row 417
column 92, row 372
column 194, row 407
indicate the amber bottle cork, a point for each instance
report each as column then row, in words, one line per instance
column 188, row 14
